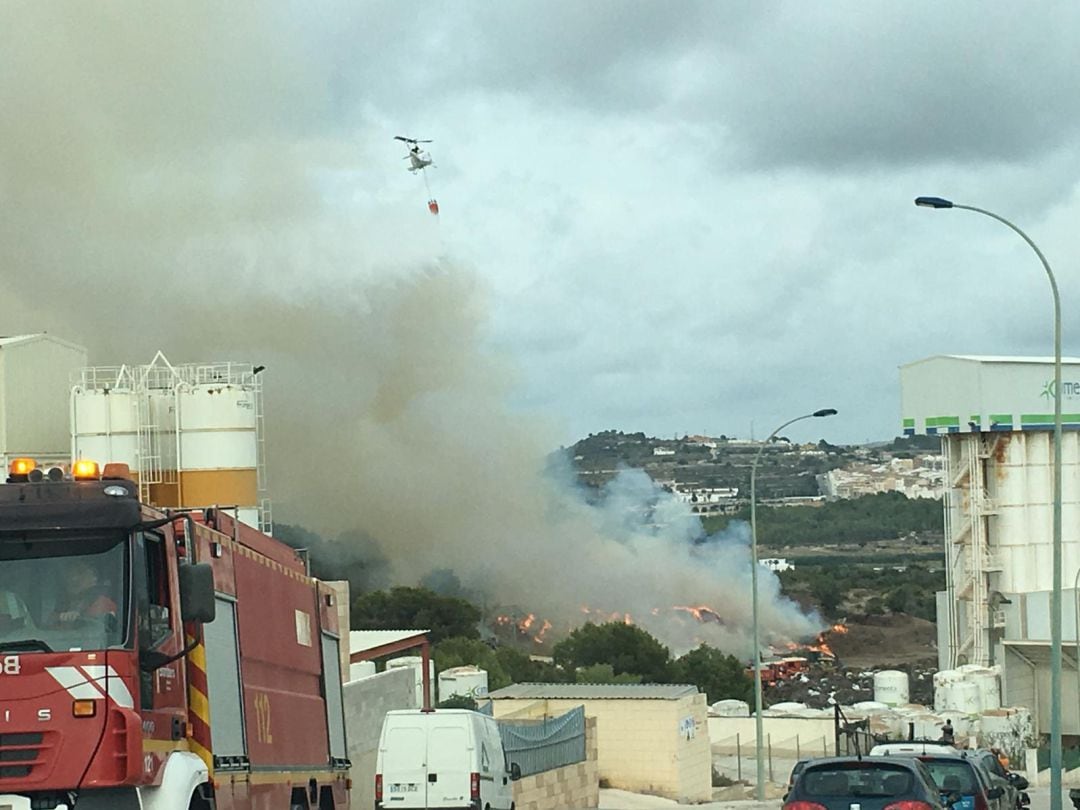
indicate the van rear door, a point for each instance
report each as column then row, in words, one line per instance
column 404, row 776
column 450, row 761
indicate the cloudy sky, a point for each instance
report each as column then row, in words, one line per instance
column 698, row 216
column 691, row 217
column 670, row 217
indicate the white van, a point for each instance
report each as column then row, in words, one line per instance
column 447, row 758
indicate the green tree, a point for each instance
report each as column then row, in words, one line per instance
column 719, row 675
column 604, row 673
column 407, row 608
column 458, row 702
column 828, row 593
column 627, row 648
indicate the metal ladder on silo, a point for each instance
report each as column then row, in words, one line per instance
column 149, row 450
column 266, row 522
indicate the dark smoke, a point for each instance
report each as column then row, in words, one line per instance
column 169, row 178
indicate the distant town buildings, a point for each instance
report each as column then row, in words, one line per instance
column 777, row 564
column 919, row 477
column 707, row 500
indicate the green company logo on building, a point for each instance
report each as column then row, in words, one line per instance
column 1068, row 389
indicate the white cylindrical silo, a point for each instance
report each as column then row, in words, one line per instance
column 218, row 444
column 361, row 669
column 466, row 681
column 891, row 687
column 416, row 663
column 105, row 426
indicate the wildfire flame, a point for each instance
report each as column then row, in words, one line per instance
column 703, row 613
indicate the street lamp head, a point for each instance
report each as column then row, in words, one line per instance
column 825, row 412
column 933, row 202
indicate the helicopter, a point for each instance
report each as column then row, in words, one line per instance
column 418, row 158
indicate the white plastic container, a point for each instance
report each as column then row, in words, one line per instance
column 964, row 697
column 361, row 669
column 468, row 681
column 927, row 726
column 870, row 706
column 943, row 682
column 989, row 688
column 891, row 687
column 962, row 723
column 730, row 708
column 785, row 708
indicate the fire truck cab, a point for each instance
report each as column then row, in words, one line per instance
column 158, row 660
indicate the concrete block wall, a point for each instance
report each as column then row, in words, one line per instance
column 572, row 786
column 366, row 703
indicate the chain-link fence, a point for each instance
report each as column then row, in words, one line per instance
column 543, row 745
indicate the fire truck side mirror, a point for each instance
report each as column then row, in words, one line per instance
column 197, row 602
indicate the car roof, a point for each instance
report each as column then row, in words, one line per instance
column 918, row 747
column 903, row 761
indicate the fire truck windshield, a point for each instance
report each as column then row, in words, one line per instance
column 63, row 591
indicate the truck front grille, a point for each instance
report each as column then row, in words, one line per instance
column 21, row 753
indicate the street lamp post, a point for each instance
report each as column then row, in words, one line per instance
column 758, row 724
column 1055, row 593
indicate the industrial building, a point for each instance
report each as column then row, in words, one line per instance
column 35, row 378
column 192, row 434
column 995, row 416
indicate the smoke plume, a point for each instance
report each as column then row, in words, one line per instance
column 170, row 177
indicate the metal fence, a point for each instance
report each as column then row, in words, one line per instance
column 735, row 756
column 853, row 738
column 543, row 745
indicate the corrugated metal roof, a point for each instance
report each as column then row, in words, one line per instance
column 993, row 358
column 360, row 640
column 595, row 691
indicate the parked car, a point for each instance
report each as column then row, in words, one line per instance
column 795, row 771
column 956, row 773
column 1013, row 784
column 871, row 783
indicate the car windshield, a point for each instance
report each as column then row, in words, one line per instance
column 953, row 775
column 62, row 591
column 863, row 779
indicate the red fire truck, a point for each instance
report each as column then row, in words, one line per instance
column 157, row 659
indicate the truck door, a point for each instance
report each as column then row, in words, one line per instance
column 163, row 690
column 450, row 763
column 404, row 773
